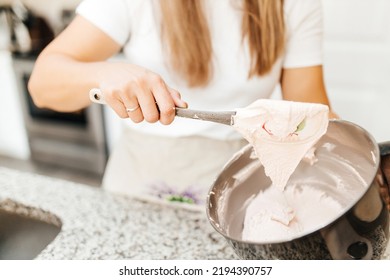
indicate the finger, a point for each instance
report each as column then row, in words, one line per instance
column 176, row 96
column 119, row 109
column 148, row 105
column 113, row 100
column 134, row 112
column 132, row 107
column 165, row 103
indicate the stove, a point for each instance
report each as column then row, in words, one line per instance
column 75, row 140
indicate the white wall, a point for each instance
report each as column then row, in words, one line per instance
column 357, row 62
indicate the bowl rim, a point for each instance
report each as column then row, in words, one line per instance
column 320, row 226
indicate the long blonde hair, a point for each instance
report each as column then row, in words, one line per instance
column 186, row 35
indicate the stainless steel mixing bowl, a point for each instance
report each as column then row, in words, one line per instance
column 360, row 231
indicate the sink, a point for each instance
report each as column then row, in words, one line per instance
column 23, row 237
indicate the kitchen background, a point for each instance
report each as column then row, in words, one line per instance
column 75, row 146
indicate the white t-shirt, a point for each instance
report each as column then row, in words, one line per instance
column 135, row 26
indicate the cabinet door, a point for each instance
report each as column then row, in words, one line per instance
column 357, row 62
column 13, row 137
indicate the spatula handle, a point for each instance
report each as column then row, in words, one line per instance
column 222, row 117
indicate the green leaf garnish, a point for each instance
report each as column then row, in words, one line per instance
column 301, row 126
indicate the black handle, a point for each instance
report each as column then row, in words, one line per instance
column 384, row 149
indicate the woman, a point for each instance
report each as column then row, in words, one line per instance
column 215, row 55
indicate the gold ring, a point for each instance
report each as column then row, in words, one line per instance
column 129, row 110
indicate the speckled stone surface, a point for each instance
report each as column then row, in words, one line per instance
column 99, row 225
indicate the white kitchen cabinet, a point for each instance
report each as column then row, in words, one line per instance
column 13, row 137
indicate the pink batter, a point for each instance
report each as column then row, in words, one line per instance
column 282, row 133
column 274, row 216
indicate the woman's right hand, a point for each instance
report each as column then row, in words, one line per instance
column 137, row 93
column 75, row 68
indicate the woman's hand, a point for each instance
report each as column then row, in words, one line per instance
column 139, row 94
column 66, row 71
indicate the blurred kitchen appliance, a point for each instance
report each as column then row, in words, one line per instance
column 75, row 140
column 27, row 32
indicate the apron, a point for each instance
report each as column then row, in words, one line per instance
column 175, row 171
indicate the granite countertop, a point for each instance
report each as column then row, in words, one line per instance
column 99, row 225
